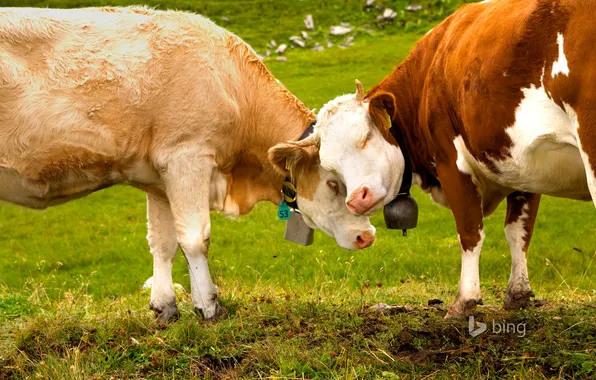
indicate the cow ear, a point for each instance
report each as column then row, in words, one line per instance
column 286, row 158
column 383, row 100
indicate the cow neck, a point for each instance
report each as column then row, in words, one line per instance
column 293, row 121
column 273, row 115
column 406, row 83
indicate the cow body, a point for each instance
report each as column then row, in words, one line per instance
column 167, row 102
column 98, row 97
column 501, row 84
column 497, row 102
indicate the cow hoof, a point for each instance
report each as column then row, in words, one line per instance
column 518, row 300
column 462, row 309
column 166, row 314
column 210, row 313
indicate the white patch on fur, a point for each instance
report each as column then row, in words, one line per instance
column 469, row 283
column 560, row 66
column 328, row 212
column 343, row 125
column 463, row 156
column 545, row 158
column 515, row 234
column 590, row 176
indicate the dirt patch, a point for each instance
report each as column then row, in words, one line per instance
column 36, row 343
column 7, row 371
column 216, row 368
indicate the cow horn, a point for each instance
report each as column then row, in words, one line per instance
column 313, row 139
column 359, row 91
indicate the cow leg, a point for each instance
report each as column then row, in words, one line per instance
column 164, row 246
column 466, row 205
column 586, row 130
column 522, row 209
column 187, row 180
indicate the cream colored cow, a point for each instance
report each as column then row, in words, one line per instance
column 169, row 103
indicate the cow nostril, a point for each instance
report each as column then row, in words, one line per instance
column 359, row 239
column 364, row 193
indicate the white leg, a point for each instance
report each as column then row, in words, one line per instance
column 164, row 246
column 187, row 181
column 469, row 282
column 522, row 209
column 466, row 204
column 468, row 294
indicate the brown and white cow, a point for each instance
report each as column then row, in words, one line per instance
column 169, row 103
column 498, row 101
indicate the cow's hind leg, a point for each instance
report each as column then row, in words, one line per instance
column 466, row 205
column 164, row 246
column 522, row 209
column 187, row 178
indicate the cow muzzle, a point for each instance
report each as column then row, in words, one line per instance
column 364, row 240
column 365, row 201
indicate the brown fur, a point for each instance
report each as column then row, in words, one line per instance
column 453, row 81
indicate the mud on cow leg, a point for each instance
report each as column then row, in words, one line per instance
column 468, row 295
column 466, row 205
column 166, row 313
column 187, row 180
column 522, row 209
column 164, row 246
column 210, row 315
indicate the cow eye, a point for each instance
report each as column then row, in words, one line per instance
column 333, row 186
column 369, row 135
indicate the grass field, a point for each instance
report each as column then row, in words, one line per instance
column 70, row 304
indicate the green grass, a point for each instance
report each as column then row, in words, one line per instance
column 70, row 303
column 259, row 21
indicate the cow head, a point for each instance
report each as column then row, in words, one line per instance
column 321, row 195
column 354, row 139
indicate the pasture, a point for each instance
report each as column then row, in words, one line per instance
column 70, row 277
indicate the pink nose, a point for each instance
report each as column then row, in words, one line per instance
column 360, row 201
column 365, row 240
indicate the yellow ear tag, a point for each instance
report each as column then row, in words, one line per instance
column 388, row 125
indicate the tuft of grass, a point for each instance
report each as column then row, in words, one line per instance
column 302, row 334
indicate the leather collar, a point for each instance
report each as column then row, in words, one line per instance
column 288, row 190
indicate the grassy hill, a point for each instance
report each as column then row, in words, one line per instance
column 259, row 21
column 70, row 304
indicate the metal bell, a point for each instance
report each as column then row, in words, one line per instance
column 401, row 213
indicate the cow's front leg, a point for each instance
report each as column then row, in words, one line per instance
column 465, row 202
column 187, row 179
column 164, row 246
column 522, row 209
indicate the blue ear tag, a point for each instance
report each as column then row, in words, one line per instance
column 283, row 211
